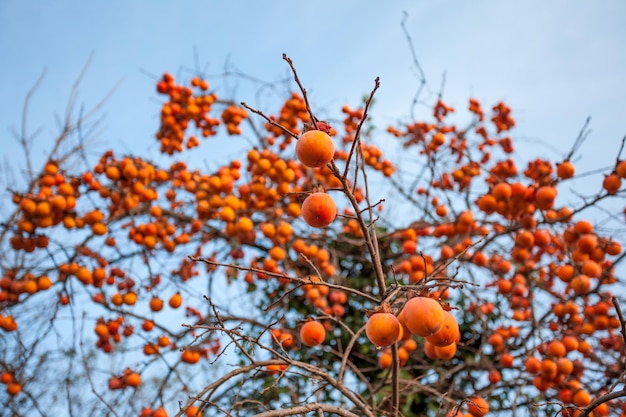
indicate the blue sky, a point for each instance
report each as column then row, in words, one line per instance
column 554, row 62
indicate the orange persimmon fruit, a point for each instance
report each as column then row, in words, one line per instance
column 478, row 407
column 319, row 210
column 423, row 316
column 312, row 333
column 382, row 329
column 447, row 334
column 315, row 149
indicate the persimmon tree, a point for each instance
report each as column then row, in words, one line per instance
column 313, row 274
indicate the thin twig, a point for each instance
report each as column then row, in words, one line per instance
column 304, row 94
column 357, row 136
column 421, row 75
column 270, row 121
column 304, row 409
column 24, row 137
column 582, row 135
column 285, row 276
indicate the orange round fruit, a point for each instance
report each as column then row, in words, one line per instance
column 312, row 333
column 545, row 197
column 190, row 356
column 193, row 411
column 445, row 352
column 385, row 360
column 612, row 183
column 532, row 365
column 429, row 350
column 581, row 398
column 423, row 315
column 448, row 333
column 156, row 304
column 133, row 379
column 502, row 191
column 565, row 170
column 556, row 348
column 176, row 300
column 315, row 149
column 581, row 284
column 382, row 329
column 319, row 210
column 130, row 298
column 478, row 407
column 13, row 388
column 159, row 412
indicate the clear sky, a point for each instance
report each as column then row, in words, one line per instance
column 554, row 62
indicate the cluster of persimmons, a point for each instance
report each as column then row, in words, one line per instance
column 293, row 225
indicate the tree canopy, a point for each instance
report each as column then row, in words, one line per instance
column 337, row 267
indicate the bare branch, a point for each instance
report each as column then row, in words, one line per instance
column 303, row 409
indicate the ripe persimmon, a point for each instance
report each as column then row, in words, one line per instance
column 581, row 284
column 532, row 365
column 478, row 407
column 548, row 368
column 409, row 246
column 487, row 203
column 429, row 350
column 613, row 248
column 494, row 376
column 581, row 398
column 545, row 196
column 164, row 341
column 502, row 191
column 244, row 225
column 565, row 170
column 156, row 304
column 150, row 349
column 611, row 184
column 385, row 359
column 565, row 272
column 620, row 169
column 102, row 330
column 583, row 227
column 13, row 388
column 193, row 411
column 570, row 343
column 403, row 356
column 319, row 210
column 591, row 268
column 445, row 352
column 159, row 412
column 315, row 149
column 190, row 356
column 382, row 329
column 130, row 298
column 564, row 366
column 133, row 379
column 448, row 333
column 587, row 243
column 312, row 333
column 117, row 299
column 556, row 348
column 409, row 344
column 277, row 253
column 98, row 229
column 176, row 300
column 423, row 316
column 506, row 360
